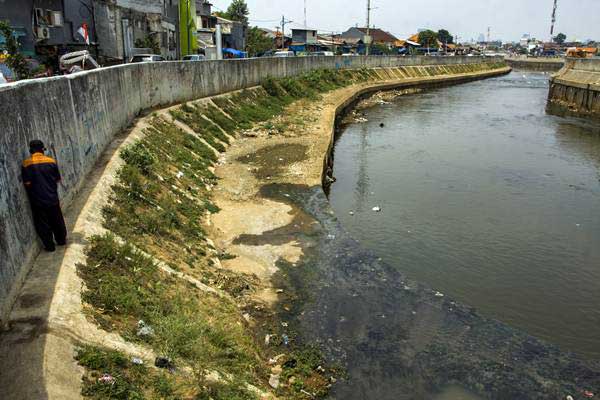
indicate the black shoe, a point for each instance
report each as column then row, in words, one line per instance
column 50, row 249
column 61, row 243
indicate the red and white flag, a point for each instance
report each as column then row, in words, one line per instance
column 83, row 31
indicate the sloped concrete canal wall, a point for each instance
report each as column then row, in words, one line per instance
column 78, row 116
column 575, row 89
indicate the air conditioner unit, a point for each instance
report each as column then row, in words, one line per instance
column 42, row 33
column 56, row 18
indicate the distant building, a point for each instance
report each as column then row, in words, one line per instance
column 305, row 36
column 47, row 29
column 378, row 36
column 123, row 26
column 205, row 23
column 233, row 33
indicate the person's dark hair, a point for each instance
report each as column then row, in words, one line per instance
column 36, row 146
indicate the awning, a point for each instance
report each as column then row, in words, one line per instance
column 413, row 43
column 236, row 53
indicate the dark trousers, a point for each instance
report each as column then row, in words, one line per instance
column 49, row 225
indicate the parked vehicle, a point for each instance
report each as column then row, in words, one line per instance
column 322, row 53
column 77, row 61
column 146, row 58
column 280, row 54
column 2, row 79
column 194, row 57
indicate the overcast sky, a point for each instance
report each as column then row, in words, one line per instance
column 508, row 19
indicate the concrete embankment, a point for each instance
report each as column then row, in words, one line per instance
column 575, row 89
column 78, row 116
column 536, row 64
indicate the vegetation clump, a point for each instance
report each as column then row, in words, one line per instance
column 156, row 218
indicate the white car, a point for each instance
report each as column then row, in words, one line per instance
column 280, row 54
column 139, row 58
column 2, row 79
column 194, row 57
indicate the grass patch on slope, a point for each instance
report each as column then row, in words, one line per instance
column 199, row 331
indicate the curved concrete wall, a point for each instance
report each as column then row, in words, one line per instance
column 575, row 89
column 77, row 116
column 533, row 64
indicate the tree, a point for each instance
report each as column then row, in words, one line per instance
column 560, row 38
column 237, row 11
column 445, row 37
column 15, row 60
column 428, row 39
column 257, row 42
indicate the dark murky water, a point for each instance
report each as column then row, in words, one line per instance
column 485, row 198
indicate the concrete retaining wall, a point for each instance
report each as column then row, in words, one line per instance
column 529, row 64
column 77, row 116
column 575, row 89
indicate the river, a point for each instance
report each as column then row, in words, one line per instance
column 485, row 198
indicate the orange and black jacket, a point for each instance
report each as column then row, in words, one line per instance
column 41, row 177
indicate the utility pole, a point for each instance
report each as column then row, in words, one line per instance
column 553, row 20
column 305, row 21
column 368, row 27
column 283, row 22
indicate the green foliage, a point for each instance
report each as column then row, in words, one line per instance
column 194, row 329
column 257, row 42
column 162, row 203
column 445, row 37
column 560, row 38
column 429, row 39
column 237, row 11
column 15, row 59
column 149, row 42
column 139, row 156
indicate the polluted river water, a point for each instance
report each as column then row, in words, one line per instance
column 484, row 198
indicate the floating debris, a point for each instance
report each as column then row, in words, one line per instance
column 439, row 294
column 351, row 213
column 377, row 209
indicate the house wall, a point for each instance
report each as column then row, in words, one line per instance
column 143, row 17
column 19, row 13
column 78, row 115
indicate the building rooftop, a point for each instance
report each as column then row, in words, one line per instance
column 379, row 35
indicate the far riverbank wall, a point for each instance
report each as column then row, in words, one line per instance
column 536, row 64
column 77, row 116
column 575, row 89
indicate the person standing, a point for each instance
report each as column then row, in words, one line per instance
column 41, row 177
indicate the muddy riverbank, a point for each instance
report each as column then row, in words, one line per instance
column 397, row 339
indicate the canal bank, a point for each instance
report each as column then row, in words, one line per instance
column 575, row 89
column 396, row 338
column 145, row 200
column 535, row 64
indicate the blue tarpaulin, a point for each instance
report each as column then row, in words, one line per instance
column 234, row 52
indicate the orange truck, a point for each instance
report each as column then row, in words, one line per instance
column 582, row 52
